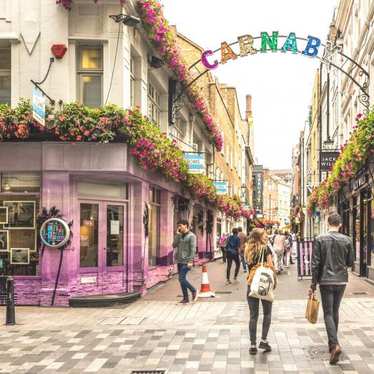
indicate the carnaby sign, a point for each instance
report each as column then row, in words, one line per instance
column 249, row 45
column 327, row 160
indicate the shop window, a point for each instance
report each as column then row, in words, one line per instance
column 115, row 232
column 18, row 231
column 154, row 104
column 5, row 76
column 90, row 75
column 20, row 182
column 154, row 225
column 132, row 81
column 89, row 238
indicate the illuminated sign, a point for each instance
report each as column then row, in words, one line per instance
column 265, row 43
column 54, row 233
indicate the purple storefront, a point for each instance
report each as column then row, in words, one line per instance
column 105, row 193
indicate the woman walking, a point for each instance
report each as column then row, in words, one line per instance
column 257, row 250
column 279, row 248
column 232, row 254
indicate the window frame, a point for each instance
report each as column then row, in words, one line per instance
column 154, row 103
column 7, row 73
column 81, row 72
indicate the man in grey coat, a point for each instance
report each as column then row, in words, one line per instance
column 331, row 258
column 185, row 248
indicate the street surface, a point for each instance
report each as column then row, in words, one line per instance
column 209, row 336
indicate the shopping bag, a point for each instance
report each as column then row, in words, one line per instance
column 311, row 313
column 262, row 285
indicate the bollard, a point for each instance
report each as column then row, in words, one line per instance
column 10, row 318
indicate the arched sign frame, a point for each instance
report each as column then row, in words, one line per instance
column 330, row 49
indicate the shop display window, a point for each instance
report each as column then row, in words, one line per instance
column 19, row 207
column 89, row 236
column 114, row 248
column 154, row 226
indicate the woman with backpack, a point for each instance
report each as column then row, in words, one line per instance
column 232, row 254
column 258, row 253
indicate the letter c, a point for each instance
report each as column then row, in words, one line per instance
column 206, row 63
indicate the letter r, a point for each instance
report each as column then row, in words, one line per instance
column 312, row 46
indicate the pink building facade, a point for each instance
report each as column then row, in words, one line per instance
column 105, row 193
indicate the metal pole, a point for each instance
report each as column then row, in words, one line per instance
column 10, row 318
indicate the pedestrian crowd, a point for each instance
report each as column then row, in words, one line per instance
column 263, row 256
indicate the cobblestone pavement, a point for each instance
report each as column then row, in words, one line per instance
column 204, row 337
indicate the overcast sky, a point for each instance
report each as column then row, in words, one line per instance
column 281, row 84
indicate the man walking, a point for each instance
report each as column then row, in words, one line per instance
column 185, row 245
column 332, row 255
column 243, row 238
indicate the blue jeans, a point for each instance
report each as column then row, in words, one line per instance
column 183, row 269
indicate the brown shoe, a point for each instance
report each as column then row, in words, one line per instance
column 335, row 354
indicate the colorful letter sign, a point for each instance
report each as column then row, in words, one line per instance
column 196, row 162
column 265, row 42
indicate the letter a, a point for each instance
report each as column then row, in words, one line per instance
column 272, row 41
column 290, row 44
column 312, row 46
column 227, row 53
column 246, row 45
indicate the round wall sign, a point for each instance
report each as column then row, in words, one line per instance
column 54, row 233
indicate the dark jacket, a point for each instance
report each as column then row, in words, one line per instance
column 233, row 245
column 185, row 246
column 332, row 255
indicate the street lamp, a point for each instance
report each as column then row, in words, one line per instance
column 130, row 21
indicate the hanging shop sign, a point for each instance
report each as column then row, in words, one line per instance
column 328, row 160
column 54, row 232
column 249, row 45
column 38, row 105
column 360, row 180
column 196, row 162
column 222, row 187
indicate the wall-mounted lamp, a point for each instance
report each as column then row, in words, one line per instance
column 155, row 62
column 130, row 21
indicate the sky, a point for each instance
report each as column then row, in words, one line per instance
column 280, row 84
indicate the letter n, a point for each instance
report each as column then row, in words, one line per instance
column 271, row 42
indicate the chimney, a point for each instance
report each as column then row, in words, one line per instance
column 248, row 108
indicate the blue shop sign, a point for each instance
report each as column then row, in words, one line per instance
column 196, row 162
column 38, row 105
column 222, row 187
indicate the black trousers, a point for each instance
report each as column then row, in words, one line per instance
column 254, row 305
column 230, row 258
column 331, row 297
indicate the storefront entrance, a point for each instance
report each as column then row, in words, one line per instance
column 103, row 239
column 366, row 231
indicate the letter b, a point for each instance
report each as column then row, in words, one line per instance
column 312, row 46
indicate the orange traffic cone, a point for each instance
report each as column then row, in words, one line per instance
column 205, row 290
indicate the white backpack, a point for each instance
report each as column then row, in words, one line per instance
column 262, row 286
